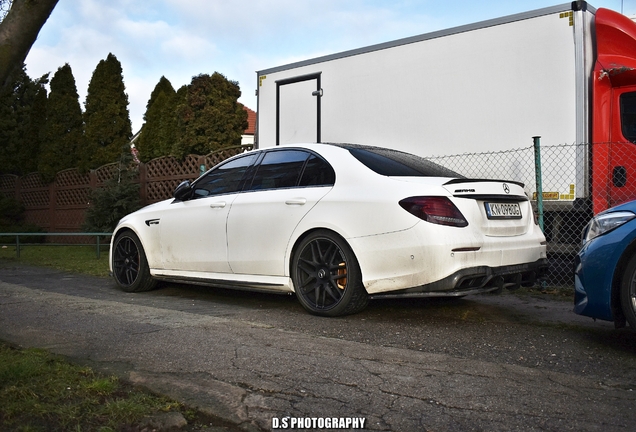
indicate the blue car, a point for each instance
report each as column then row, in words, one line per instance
column 605, row 267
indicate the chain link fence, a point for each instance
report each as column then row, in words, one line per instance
column 565, row 185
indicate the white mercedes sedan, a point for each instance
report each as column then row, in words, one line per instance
column 336, row 224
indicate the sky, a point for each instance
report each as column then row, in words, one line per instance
column 180, row 39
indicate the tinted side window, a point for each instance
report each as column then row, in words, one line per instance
column 317, row 173
column 628, row 115
column 225, row 178
column 279, row 169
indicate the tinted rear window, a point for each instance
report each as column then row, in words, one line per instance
column 279, row 169
column 395, row 163
column 317, row 173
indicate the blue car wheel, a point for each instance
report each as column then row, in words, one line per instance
column 628, row 292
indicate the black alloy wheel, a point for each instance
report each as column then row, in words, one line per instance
column 327, row 277
column 130, row 267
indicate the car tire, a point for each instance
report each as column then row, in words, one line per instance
column 628, row 292
column 130, row 266
column 326, row 276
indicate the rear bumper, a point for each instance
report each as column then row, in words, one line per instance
column 476, row 280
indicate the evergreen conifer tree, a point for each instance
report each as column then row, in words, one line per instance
column 22, row 114
column 62, row 135
column 159, row 113
column 118, row 197
column 37, row 120
column 173, row 129
column 210, row 117
column 108, row 127
column 8, row 132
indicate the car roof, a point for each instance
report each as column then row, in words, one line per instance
column 390, row 162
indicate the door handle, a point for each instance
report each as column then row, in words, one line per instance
column 296, row 201
column 220, row 204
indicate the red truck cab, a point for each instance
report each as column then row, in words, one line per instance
column 614, row 111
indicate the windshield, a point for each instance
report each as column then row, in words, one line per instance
column 628, row 115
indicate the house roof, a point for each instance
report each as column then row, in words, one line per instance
column 251, row 121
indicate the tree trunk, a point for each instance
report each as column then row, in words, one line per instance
column 18, row 32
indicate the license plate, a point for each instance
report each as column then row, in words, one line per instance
column 503, row 210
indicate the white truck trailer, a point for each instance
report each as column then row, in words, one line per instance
column 565, row 73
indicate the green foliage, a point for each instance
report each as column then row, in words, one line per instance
column 209, row 118
column 109, row 204
column 118, row 197
column 174, row 128
column 108, row 126
column 156, row 137
column 62, row 136
column 11, row 212
column 31, row 146
column 163, row 87
column 22, row 114
column 52, row 134
column 12, row 221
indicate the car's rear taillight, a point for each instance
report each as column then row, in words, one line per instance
column 435, row 209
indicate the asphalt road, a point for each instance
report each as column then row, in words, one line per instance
column 491, row 362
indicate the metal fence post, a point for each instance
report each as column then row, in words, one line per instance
column 537, row 170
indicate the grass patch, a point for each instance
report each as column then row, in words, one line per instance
column 42, row 392
column 74, row 259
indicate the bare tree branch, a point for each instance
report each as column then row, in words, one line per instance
column 5, row 5
column 18, row 31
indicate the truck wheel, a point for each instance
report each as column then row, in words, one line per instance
column 327, row 277
column 130, row 266
column 628, row 293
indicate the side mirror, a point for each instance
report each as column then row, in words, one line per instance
column 183, row 191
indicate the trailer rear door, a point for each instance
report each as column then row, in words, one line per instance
column 298, row 109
